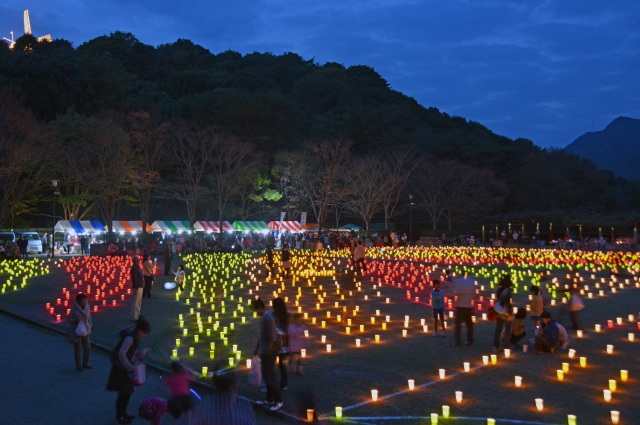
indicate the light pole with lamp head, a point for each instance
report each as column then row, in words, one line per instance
column 53, row 233
column 410, row 218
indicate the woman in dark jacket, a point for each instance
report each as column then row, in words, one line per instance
column 124, row 358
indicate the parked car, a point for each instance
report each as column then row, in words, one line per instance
column 35, row 243
column 7, row 238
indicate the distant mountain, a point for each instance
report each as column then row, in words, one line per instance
column 616, row 148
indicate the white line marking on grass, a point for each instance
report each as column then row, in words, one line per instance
column 357, row 419
column 397, row 393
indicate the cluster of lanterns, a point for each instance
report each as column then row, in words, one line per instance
column 18, row 272
column 105, row 281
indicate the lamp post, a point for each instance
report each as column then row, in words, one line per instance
column 54, row 183
column 410, row 218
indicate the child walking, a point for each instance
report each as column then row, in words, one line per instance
column 180, row 276
column 179, row 384
column 297, row 341
column 537, row 305
column 437, row 305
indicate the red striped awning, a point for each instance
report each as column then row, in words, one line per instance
column 212, row 226
column 286, row 226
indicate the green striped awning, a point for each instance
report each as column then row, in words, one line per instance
column 250, row 226
column 171, row 226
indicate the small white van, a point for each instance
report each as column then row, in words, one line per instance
column 35, row 243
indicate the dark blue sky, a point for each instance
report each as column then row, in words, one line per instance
column 546, row 70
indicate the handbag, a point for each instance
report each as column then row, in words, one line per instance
column 140, row 374
column 81, row 329
column 255, row 375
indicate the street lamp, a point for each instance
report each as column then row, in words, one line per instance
column 54, row 183
column 410, row 218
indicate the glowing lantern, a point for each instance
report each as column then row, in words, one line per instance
column 539, row 404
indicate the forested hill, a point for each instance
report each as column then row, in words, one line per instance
column 616, row 148
column 279, row 102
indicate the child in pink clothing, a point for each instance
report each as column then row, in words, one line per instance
column 297, row 341
column 152, row 409
column 179, row 384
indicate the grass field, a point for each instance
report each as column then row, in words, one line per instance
column 397, row 287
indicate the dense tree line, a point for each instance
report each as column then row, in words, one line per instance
column 232, row 136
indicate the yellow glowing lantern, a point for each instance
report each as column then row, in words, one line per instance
column 583, row 362
column 607, row 395
column 615, row 417
column 338, row 412
column 494, row 359
column 624, row 375
column 560, row 374
column 613, row 385
column 565, row 367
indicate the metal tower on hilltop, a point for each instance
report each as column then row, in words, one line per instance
column 27, row 28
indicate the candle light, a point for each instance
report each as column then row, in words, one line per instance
column 565, row 367
column 579, row 333
column 507, row 353
column 377, row 338
column 485, row 360
column 338, row 412
column 328, row 348
column 607, row 395
column 572, row 353
column 310, row 415
column 518, row 381
column 446, row 410
column 624, row 375
column 615, row 417
column 466, row 366
column 441, row 372
column 491, row 421
column 303, row 352
column 583, row 362
column 459, row 396
column 572, row 420
column 434, row 419
column 631, row 336
column 560, row 374
column 494, row 359
column 323, row 338
column 598, row 327
column 357, row 342
column 374, row 395
column 205, row 371
column 613, row 385
column 248, row 363
column 609, row 349
column 539, row 404
column 412, row 384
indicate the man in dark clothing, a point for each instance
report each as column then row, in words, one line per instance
column 23, row 244
column 137, row 283
column 267, row 357
column 167, row 259
column 548, row 338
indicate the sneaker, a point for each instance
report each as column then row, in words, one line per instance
column 435, row 335
column 276, row 406
column 264, row 403
column 442, row 335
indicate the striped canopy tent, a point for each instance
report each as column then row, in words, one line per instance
column 173, row 226
column 212, row 226
column 79, row 226
column 286, row 226
column 125, row 226
column 250, row 226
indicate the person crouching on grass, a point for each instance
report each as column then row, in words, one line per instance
column 548, row 337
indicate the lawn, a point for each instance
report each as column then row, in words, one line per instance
column 393, row 298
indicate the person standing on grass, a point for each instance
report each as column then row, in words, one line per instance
column 268, row 356
column 137, row 286
column 437, row 305
column 80, row 313
column 124, row 357
column 465, row 293
column 537, row 305
column 147, row 272
column 503, row 295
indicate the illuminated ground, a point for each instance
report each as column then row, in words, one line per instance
column 397, row 286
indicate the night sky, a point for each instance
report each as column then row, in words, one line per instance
column 547, row 71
